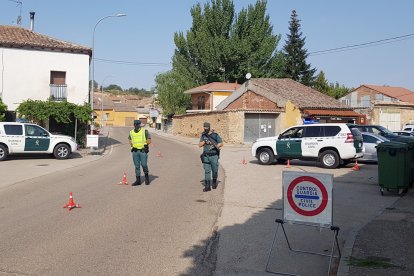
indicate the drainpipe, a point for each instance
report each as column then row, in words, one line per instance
column 32, row 14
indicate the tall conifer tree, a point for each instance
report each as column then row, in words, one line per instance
column 295, row 53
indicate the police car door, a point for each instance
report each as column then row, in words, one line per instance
column 288, row 145
column 313, row 138
column 13, row 135
column 36, row 138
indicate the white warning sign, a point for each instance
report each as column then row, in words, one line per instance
column 307, row 197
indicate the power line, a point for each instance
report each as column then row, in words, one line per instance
column 123, row 62
column 363, row 45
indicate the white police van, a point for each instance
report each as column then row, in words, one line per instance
column 30, row 138
column 331, row 144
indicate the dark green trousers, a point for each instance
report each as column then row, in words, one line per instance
column 210, row 167
column 140, row 159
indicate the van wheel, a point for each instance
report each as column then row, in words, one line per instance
column 3, row 153
column 329, row 159
column 265, row 156
column 61, row 151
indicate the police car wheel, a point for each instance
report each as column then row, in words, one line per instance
column 329, row 159
column 3, row 153
column 61, row 151
column 265, row 156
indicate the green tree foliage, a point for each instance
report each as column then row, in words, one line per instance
column 63, row 112
column 332, row 89
column 139, row 91
column 3, row 109
column 295, row 66
column 170, row 87
column 321, row 83
column 113, row 87
column 337, row 91
column 221, row 46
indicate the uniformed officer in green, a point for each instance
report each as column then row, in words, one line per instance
column 139, row 139
column 211, row 143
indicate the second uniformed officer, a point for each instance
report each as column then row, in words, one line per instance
column 139, row 139
column 211, row 143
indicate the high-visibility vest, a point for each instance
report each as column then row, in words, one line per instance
column 138, row 139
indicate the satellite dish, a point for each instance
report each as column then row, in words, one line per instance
column 248, row 76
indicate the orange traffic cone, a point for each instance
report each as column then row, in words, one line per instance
column 124, row 180
column 71, row 204
column 244, row 162
column 288, row 164
column 159, row 154
column 356, row 167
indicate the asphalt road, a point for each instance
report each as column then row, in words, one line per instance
column 166, row 228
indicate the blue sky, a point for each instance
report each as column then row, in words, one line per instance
column 145, row 35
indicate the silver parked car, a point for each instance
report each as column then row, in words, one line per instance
column 371, row 140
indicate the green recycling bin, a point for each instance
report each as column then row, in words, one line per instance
column 394, row 166
column 410, row 142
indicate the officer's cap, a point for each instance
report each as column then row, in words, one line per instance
column 137, row 122
column 206, row 125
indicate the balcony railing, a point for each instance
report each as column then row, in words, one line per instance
column 58, row 92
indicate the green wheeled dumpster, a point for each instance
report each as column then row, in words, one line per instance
column 410, row 142
column 394, row 165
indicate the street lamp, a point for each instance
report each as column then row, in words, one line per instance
column 93, row 61
column 101, row 99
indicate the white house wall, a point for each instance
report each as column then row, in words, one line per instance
column 217, row 100
column 25, row 74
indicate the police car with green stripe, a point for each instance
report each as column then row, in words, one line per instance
column 30, row 138
column 331, row 144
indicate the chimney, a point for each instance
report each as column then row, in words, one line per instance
column 32, row 14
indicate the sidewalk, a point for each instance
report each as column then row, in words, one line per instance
column 385, row 245
column 24, row 168
column 253, row 200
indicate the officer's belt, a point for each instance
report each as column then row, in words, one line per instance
column 210, row 153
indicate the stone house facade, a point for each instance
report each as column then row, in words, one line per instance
column 264, row 108
column 207, row 97
column 389, row 106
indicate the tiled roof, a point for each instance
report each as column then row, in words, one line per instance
column 124, row 108
column 325, row 112
column 281, row 90
column 400, row 104
column 18, row 37
column 400, row 93
column 214, row 86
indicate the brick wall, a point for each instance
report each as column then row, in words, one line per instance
column 365, row 91
column 251, row 100
column 228, row 124
column 194, row 100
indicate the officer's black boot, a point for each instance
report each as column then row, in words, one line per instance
column 137, row 182
column 207, row 187
column 214, row 185
column 147, row 181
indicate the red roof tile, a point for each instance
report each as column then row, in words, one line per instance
column 325, row 112
column 400, row 93
column 214, row 86
column 18, row 37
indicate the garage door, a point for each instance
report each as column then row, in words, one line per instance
column 392, row 121
column 258, row 125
